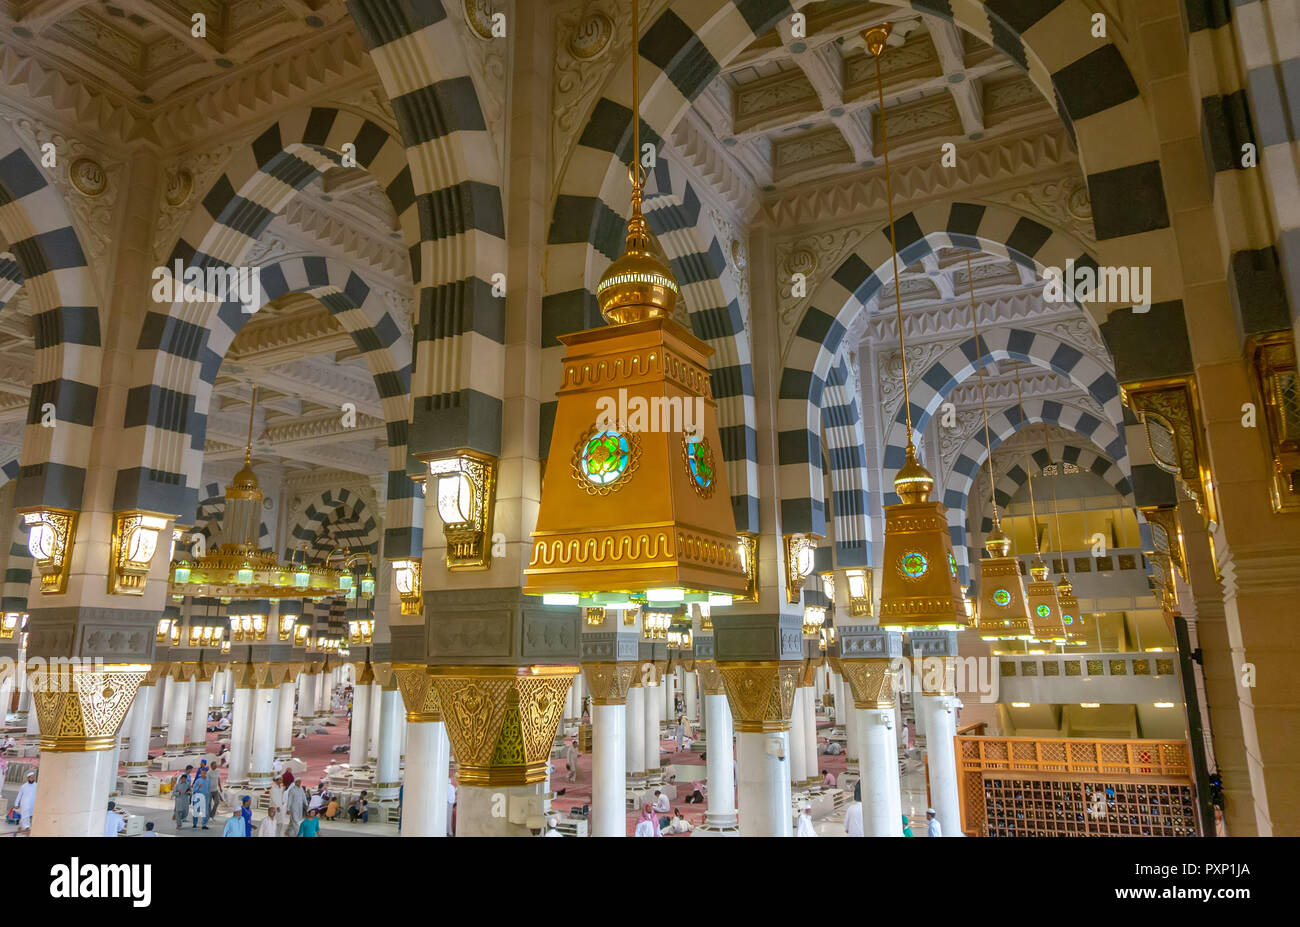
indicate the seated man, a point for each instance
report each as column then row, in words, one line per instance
column 359, row 809
column 670, row 772
column 678, row 824
column 661, row 803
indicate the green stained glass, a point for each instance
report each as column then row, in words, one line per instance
column 605, row 457
column 1002, row 597
column 915, row 564
column 1043, row 611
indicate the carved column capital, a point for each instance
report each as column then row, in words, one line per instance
column 418, row 694
column 761, row 693
column 609, row 682
column 82, row 708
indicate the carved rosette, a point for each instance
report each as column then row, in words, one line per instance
column 710, row 677
column 501, row 720
column 82, row 708
column 872, row 682
column 609, row 682
column 418, row 693
column 761, row 693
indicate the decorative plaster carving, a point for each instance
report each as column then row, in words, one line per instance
column 816, row 257
column 487, row 61
column 1063, row 203
column 202, row 168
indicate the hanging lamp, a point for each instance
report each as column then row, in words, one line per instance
column 1044, row 610
column 635, row 504
column 1071, row 617
column 919, row 586
column 1001, row 612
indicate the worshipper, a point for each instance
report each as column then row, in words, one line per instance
column 114, row 823
column 148, row 830
column 269, row 827
column 834, row 748
column 332, row 809
column 933, row 828
column 661, row 803
column 246, row 812
column 551, row 829
column 805, row 828
column 679, row 733
column 907, row 829
column 679, row 824
column 25, row 803
column 295, row 806
column 224, row 723
column 310, row 826
column 647, row 825
column 571, row 757
column 317, row 801
column 199, row 799
column 234, row 825
column 214, row 795
column 670, row 772
column 9, row 744
column 181, row 797
column 697, row 793
column 828, row 781
column 359, row 809
column 276, row 798
column 853, row 813
column 277, row 766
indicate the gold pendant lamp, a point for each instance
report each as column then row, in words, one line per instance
column 1001, row 612
column 1071, row 617
column 919, row 587
column 635, row 504
column 1044, row 610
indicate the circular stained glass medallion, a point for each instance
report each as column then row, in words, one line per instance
column 952, row 565
column 1067, row 619
column 1002, row 597
column 699, row 463
column 915, row 564
column 1043, row 611
column 605, row 457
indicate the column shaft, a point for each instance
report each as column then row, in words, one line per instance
column 424, row 803
column 941, row 760
column 608, row 771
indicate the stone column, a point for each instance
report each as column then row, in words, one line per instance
column 309, row 682
column 372, row 724
column 720, row 819
column 501, row 721
column 266, row 701
column 202, row 685
column 284, row 720
column 241, row 727
column 670, row 693
column 387, row 764
column 357, row 748
column 692, row 703
column 162, row 706
column 424, row 788
column 653, row 704
column 137, row 759
column 810, row 731
column 798, row 756
column 636, row 734
column 938, row 703
column 178, row 722
column 81, row 713
column 871, row 674
column 761, row 695
column 609, row 684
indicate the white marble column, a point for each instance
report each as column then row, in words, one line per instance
column 608, row 770
column 851, row 737
column 265, row 704
column 764, row 787
column 241, row 735
column 652, row 704
column 387, row 771
column 284, row 722
column 138, row 721
column 72, row 794
column 360, row 719
column 692, row 688
column 810, row 734
column 719, row 759
column 635, row 734
column 307, row 695
column 198, row 741
column 178, row 722
column 941, row 760
column 424, row 792
column 372, row 725
column 882, row 804
column 163, row 704
column 6, row 693
column 670, row 697
column 798, row 756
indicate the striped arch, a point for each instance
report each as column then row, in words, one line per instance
column 11, row 278
column 36, row 229
column 458, row 379
column 696, row 251
column 847, row 292
column 211, row 512
column 929, row 388
column 335, row 518
column 845, row 443
column 182, row 344
column 1083, row 457
column 1002, row 425
column 17, row 559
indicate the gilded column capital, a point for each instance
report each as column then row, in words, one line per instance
column 834, row 661
column 82, row 708
column 608, row 682
column 418, row 694
column 761, row 693
column 710, row 677
column 808, row 675
column 501, row 720
column 872, row 682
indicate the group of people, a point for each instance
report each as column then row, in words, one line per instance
column 195, row 793
column 651, row 824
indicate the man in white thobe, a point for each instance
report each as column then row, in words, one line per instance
column 571, row 757
column 551, row 825
column 270, row 826
column 25, row 802
column 451, row 807
column 853, row 813
column 805, row 823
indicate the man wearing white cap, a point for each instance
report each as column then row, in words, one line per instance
column 805, row 823
column 25, row 802
column 551, row 830
column 934, row 829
